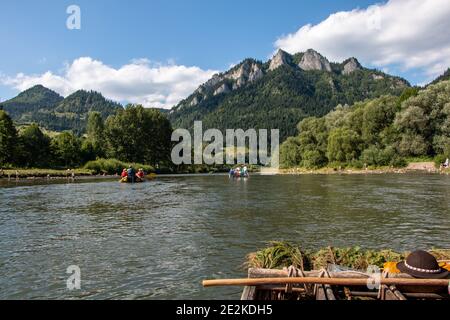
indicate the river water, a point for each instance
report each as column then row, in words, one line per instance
column 160, row 239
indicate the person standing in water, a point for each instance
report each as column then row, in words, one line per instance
column 131, row 174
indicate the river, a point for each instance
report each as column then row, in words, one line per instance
column 160, row 239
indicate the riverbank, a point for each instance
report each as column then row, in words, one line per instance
column 422, row 167
column 50, row 174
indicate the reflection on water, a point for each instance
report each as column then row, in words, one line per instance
column 158, row 240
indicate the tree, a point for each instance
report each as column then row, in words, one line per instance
column 377, row 115
column 66, row 147
column 290, row 155
column 136, row 134
column 96, row 134
column 344, row 145
column 35, row 147
column 423, row 122
column 8, row 139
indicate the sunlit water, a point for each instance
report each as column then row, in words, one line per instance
column 159, row 239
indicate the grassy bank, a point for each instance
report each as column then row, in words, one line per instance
column 282, row 254
column 346, row 170
column 429, row 167
column 42, row 173
column 97, row 167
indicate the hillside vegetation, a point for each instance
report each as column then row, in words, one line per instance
column 385, row 131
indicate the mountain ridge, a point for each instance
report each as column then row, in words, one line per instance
column 49, row 110
column 286, row 88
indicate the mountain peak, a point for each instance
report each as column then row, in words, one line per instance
column 280, row 58
column 312, row 60
column 350, row 65
column 37, row 95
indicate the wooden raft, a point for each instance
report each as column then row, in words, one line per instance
column 353, row 290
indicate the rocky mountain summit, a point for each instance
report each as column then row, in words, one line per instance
column 312, row 60
column 279, row 59
column 250, row 71
column 280, row 92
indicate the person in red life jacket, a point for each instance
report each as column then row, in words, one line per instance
column 124, row 173
column 140, row 174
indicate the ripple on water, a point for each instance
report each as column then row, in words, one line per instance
column 158, row 240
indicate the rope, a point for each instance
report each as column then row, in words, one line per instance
column 382, row 289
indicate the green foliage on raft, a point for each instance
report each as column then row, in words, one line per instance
column 283, row 254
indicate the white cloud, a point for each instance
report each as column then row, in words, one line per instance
column 411, row 34
column 153, row 85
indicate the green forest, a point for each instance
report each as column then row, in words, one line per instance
column 386, row 131
column 133, row 135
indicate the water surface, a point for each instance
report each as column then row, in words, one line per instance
column 159, row 239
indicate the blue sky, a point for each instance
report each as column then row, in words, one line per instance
column 206, row 35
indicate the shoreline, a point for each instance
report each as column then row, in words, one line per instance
column 413, row 167
column 330, row 171
column 82, row 174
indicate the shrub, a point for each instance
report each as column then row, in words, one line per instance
column 114, row 166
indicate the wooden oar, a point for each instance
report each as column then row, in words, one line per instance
column 331, row 281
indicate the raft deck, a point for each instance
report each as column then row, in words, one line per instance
column 352, row 290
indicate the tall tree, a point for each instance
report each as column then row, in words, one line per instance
column 66, row 147
column 35, row 147
column 137, row 134
column 8, row 139
column 96, row 133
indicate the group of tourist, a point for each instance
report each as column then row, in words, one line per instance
column 130, row 175
column 239, row 172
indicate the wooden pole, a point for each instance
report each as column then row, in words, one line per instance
column 330, row 281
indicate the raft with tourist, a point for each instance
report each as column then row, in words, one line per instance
column 131, row 176
column 419, row 276
column 239, row 172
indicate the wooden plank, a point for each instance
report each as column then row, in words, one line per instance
column 330, row 281
column 416, row 295
column 329, row 292
column 320, row 293
column 279, row 288
column 249, row 293
column 397, row 293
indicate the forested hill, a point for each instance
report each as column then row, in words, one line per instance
column 51, row 111
column 29, row 102
column 280, row 92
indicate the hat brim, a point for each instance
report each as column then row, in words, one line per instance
column 422, row 275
